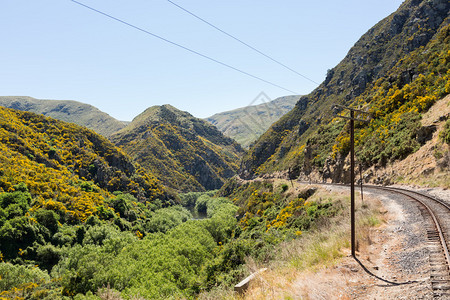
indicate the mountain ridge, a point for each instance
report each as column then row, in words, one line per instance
column 246, row 124
column 183, row 151
column 66, row 166
column 398, row 67
column 66, row 110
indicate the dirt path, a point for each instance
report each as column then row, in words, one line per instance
column 393, row 263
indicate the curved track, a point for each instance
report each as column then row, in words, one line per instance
column 436, row 213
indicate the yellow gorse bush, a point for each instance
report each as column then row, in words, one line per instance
column 58, row 162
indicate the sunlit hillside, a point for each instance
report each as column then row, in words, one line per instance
column 184, row 152
column 246, row 124
column 395, row 72
column 68, row 111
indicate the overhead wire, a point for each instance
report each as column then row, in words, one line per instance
column 241, row 41
column 182, row 47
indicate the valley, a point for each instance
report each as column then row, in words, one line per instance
column 186, row 153
column 170, row 206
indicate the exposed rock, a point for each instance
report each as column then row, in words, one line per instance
column 185, row 153
column 383, row 53
column 425, row 134
column 442, row 118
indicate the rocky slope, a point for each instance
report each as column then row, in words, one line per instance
column 396, row 72
column 247, row 124
column 68, row 111
column 184, row 152
column 430, row 165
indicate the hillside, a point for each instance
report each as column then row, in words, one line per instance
column 184, row 152
column 245, row 125
column 396, row 72
column 76, row 216
column 68, row 111
column 65, row 165
column 57, row 174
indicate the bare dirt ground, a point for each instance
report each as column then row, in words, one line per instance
column 393, row 263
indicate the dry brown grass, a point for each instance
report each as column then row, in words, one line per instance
column 306, row 268
column 309, row 267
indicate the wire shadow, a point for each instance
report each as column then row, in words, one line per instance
column 390, row 283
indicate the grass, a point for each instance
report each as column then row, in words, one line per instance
column 438, row 179
column 319, row 249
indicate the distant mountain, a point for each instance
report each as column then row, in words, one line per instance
column 184, row 152
column 245, row 125
column 68, row 111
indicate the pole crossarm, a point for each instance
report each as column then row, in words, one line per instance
column 353, row 119
column 353, row 110
column 350, row 108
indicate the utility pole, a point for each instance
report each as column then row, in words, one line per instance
column 352, row 169
column 361, row 179
column 352, row 180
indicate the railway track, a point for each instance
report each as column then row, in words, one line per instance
column 436, row 213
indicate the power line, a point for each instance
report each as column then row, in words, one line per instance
column 182, row 47
column 242, row 42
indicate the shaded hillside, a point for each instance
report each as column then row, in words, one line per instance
column 68, row 111
column 184, row 152
column 396, row 71
column 67, row 168
column 246, row 124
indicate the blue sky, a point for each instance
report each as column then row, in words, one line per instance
column 56, row 49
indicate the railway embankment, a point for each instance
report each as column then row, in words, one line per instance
column 394, row 258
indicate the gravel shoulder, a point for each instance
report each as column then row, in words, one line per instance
column 398, row 254
column 393, row 264
column 393, row 261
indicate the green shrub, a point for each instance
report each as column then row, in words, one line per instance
column 47, row 218
column 164, row 219
column 445, row 133
column 190, row 199
column 20, row 282
column 16, row 234
column 99, row 233
column 48, row 256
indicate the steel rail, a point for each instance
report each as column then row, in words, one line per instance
column 439, row 281
column 437, row 225
column 430, row 211
column 447, row 205
column 404, row 192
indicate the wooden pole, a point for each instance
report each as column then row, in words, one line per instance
column 352, row 180
column 352, row 169
column 361, row 178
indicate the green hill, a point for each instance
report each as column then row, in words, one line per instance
column 68, row 111
column 396, row 71
column 246, row 124
column 66, row 166
column 184, row 152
